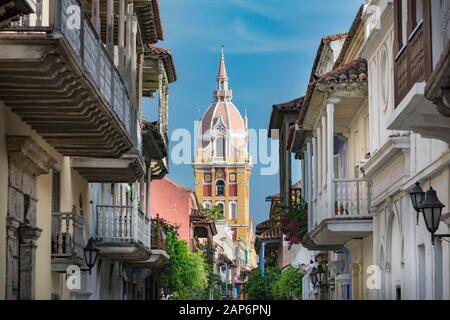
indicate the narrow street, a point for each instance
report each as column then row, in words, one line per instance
column 224, row 152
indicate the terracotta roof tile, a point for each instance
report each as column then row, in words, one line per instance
column 280, row 110
column 272, row 233
column 157, row 15
column 167, row 59
column 265, row 225
column 355, row 71
column 290, row 106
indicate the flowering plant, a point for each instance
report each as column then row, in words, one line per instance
column 294, row 220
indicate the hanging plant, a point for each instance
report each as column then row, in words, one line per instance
column 294, row 220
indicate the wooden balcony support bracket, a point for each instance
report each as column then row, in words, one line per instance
column 147, row 12
column 128, row 169
column 63, row 83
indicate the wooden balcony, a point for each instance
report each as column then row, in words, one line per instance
column 412, row 64
column 67, row 240
column 159, row 256
column 58, row 77
column 159, row 234
column 123, row 233
column 349, row 217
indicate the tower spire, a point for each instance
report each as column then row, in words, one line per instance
column 222, row 77
column 222, row 93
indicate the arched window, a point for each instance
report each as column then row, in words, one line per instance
column 221, row 206
column 207, row 205
column 220, row 188
column 233, row 210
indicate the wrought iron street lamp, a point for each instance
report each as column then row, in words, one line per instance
column 313, row 275
column 90, row 254
column 321, row 276
column 417, row 195
column 432, row 210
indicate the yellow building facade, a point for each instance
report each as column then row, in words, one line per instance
column 223, row 166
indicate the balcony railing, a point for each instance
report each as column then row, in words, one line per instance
column 67, row 239
column 69, row 21
column 122, row 224
column 352, row 199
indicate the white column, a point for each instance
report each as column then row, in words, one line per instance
column 305, row 177
column 315, row 179
column 325, row 131
column 309, row 178
column 319, row 161
column 330, row 157
column 314, row 168
column 303, row 164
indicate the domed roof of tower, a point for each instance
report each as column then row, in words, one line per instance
column 222, row 116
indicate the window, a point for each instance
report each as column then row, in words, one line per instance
column 367, row 136
column 113, row 196
column 207, row 205
column 233, row 211
column 438, row 274
column 422, row 272
column 220, row 188
column 384, row 79
column 221, row 206
column 220, row 128
column 220, row 146
column 356, row 151
column 56, row 191
column 398, row 293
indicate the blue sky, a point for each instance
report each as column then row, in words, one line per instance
column 270, row 46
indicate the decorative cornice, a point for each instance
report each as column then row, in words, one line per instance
column 25, row 151
column 384, row 155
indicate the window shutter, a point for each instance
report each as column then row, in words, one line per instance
column 56, row 191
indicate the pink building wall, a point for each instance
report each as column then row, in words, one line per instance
column 174, row 203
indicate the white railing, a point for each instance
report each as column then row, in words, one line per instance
column 115, row 223
column 351, row 199
column 122, row 224
column 67, row 234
